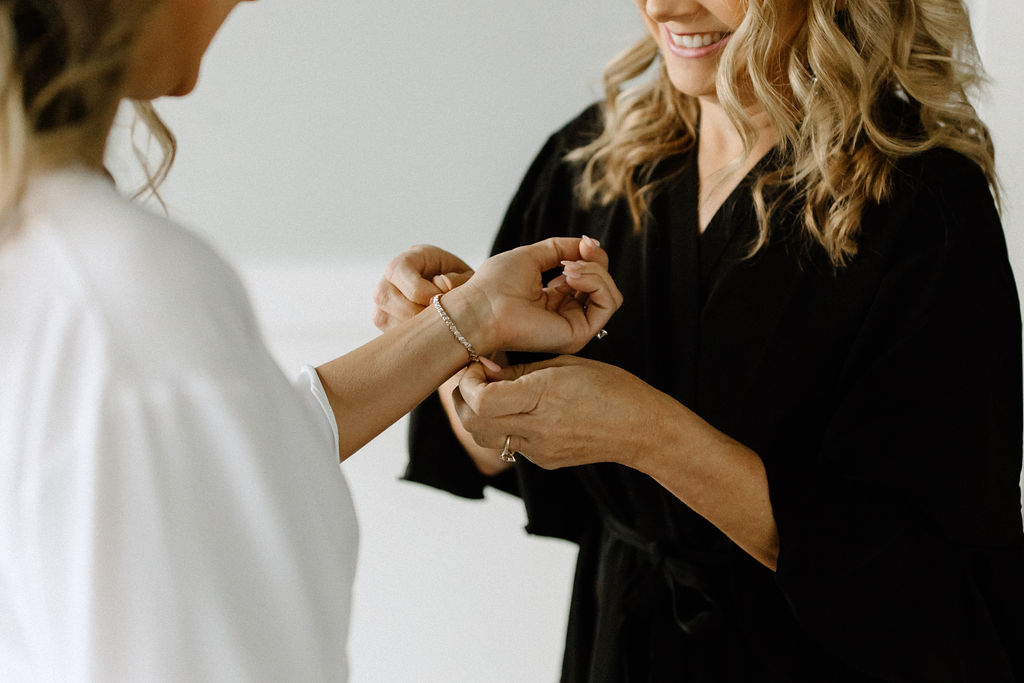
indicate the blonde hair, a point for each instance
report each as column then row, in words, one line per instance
column 62, row 68
column 862, row 84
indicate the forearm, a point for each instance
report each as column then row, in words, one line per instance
column 376, row 384
column 717, row 477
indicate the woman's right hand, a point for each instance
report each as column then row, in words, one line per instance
column 411, row 279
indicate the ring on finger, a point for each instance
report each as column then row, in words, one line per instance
column 507, row 454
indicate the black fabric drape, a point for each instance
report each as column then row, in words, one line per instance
column 884, row 399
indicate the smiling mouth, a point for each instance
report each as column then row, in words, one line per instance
column 696, row 40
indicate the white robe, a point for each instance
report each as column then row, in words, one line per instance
column 171, row 506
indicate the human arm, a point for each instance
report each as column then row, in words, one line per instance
column 505, row 305
column 544, row 406
column 417, row 274
column 893, row 482
column 410, row 280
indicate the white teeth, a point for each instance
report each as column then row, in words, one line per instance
column 692, row 40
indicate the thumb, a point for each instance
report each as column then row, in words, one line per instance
column 502, row 396
column 449, row 281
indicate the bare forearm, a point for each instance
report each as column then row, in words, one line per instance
column 718, row 478
column 376, row 384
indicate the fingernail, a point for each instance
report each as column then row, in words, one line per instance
column 490, row 364
column 591, row 241
column 573, row 268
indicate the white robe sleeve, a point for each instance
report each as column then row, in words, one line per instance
column 194, row 529
column 312, row 391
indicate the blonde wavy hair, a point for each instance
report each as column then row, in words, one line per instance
column 862, row 84
column 62, row 69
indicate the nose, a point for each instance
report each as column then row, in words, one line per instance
column 663, row 11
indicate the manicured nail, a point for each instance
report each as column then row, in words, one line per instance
column 490, row 364
column 591, row 241
column 572, row 268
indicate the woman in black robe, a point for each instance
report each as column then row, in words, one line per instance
column 794, row 457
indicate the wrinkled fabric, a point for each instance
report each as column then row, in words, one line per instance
column 883, row 397
column 171, row 505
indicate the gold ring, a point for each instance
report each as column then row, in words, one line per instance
column 507, row 454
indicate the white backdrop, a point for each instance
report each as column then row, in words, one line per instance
column 325, row 137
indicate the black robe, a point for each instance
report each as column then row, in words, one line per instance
column 883, row 397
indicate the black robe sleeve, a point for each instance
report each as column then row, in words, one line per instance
column 893, row 541
column 537, row 211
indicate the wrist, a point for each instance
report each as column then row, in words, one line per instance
column 471, row 314
column 667, row 439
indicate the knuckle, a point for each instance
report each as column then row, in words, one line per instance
column 393, row 265
column 487, row 402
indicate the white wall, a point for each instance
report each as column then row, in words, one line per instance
column 325, row 130
column 326, row 136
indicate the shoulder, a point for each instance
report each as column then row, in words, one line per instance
column 938, row 200
column 583, row 129
column 580, row 131
column 550, row 164
column 152, row 286
column 943, row 174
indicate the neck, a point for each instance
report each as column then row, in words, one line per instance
column 717, row 131
column 84, row 146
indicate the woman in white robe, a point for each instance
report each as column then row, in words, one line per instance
column 171, row 506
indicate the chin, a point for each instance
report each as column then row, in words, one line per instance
column 692, row 89
column 185, row 86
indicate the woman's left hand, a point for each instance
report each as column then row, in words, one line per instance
column 565, row 411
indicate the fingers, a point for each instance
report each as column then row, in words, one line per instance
column 412, row 272
column 488, row 432
column 589, row 275
column 459, row 278
column 494, row 405
column 392, row 307
column 603, row 296
column 549, row 253
column 496, row 398
column 442, row 282
column 513, row 390
column 411, row 279
column 590, row 250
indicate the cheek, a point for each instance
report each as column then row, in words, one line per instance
column 731, row 12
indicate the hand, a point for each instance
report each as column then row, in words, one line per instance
column 411, row 279
column 566, row 411
column 505, row 305
column 572, row 411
